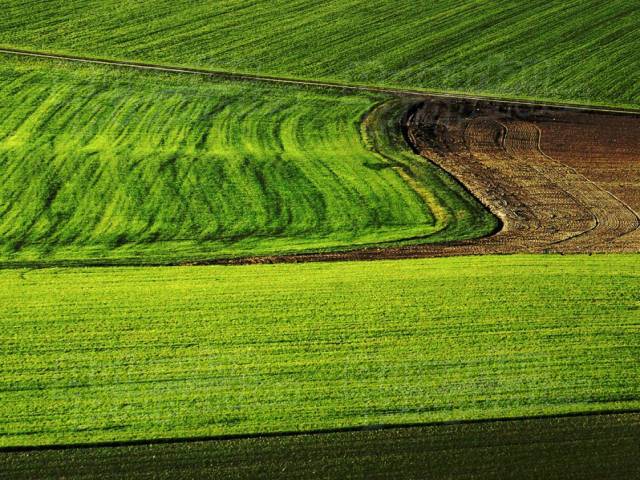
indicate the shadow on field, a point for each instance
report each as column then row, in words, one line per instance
column 572, row 447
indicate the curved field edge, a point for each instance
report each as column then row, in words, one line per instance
column 134, row 353
column 114, row 166
column 571, row 51
column 591, row 446
column 459, row 215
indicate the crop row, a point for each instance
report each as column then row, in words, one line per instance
column 113, row 354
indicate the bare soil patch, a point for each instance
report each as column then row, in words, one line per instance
column 560, row 180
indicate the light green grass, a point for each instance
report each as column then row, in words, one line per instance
column 107, row 165
column 569, row 50
column 91, row 355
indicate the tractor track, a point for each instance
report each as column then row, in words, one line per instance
column 547, row 202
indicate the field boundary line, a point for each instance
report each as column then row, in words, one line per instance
column 309, row 83
column 327, row 431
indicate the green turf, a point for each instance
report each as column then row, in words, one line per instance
column 585, row 447
column 111, row 165
column 570, row 50
column 104, row 354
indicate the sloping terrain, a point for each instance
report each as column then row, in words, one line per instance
column 567, row 50
column 531, row 165
column 489, row 365
column 109, row 165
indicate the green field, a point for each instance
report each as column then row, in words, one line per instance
column 122, row 353
column 111, row 165
column 571, row 50
column 580, row 447
column 121, row 358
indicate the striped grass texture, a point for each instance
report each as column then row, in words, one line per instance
column 110, row 165
column 584, row 51
column 123, row 353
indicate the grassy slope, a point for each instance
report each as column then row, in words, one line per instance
column 572, row 50
column 113, row 165
column 123, row 353
column 585, row 447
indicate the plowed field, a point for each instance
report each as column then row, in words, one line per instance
column 560, row 180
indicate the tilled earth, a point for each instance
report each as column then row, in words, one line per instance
column 560, row 180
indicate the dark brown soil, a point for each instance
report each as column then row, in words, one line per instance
column 598, row 446
column 560, row 180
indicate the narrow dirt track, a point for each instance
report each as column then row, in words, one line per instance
column 400, row 92
column 561, row 178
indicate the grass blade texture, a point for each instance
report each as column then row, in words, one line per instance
column 122, row 353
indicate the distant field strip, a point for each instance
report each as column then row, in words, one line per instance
column 104, row 165
column 344, row 87
column 115, row 354
column 567, row 50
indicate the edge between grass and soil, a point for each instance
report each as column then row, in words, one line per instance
column 590, row 446
column 457, row 214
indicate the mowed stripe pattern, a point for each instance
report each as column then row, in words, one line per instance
column 104, row 163
column 108, row 354
column 571, row 50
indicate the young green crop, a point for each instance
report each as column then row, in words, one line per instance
column 107, row 165
column 90, row 355
column 569, row 50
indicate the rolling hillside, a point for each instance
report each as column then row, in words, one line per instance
column 577, row 50
column 124, row 352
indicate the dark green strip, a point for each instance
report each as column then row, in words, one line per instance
column 591, row 446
